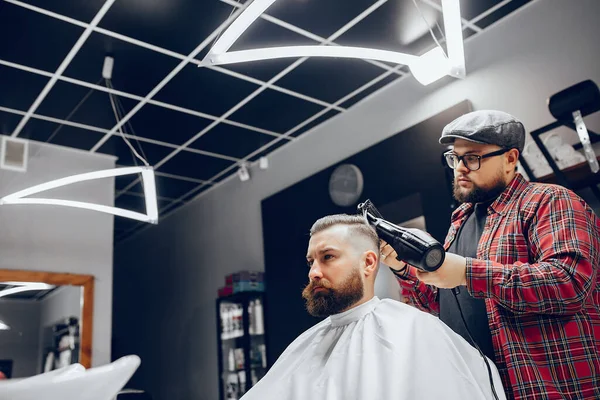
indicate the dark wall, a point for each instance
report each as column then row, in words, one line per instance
column 402, row 168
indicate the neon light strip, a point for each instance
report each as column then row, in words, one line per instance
column 427, row 68
column 27, row 288
column 454, row 39
column 151, row 215
column 24, row 284
column 312, row 51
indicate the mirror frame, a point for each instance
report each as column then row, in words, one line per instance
column 63, row 279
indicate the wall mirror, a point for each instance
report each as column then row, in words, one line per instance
column 45, row 321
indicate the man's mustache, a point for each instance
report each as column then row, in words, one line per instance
column 314, row 284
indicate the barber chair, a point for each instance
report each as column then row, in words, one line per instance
column 73, row 382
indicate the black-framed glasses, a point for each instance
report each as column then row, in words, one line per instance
column 471, row 161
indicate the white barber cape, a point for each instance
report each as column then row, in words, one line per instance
column 380, row 350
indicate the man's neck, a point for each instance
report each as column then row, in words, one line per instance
column 510, row 177
column 363, row 300
column 489, row 201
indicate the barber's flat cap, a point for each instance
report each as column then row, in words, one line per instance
column 488, row 127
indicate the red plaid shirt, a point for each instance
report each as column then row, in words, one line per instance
column 536, row 268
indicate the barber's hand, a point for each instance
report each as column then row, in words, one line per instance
column 451, row 274
column 388, row 256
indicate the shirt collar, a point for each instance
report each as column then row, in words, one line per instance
column 517, row 185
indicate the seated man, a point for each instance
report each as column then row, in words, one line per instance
column 369, row 348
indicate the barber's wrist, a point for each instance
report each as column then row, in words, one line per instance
column 401, row 272
column 402, row 268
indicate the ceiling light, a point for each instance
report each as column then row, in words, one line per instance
column 14, row 154
column 17, row 283
column 454, row 39
column 426, row 68
column 243, row 173
column 431, row 66
column 107, row 67
column 3, row 326
column 263, row 163
column 26, row 288
column 270, row 53
column 147, row 182
column 146, row 171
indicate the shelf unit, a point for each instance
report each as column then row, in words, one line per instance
column 576, row 177
column 241, row 341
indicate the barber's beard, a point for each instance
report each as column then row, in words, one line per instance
column 477, row 194
column 333, row 300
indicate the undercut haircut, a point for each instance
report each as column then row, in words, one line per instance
column 357, row 225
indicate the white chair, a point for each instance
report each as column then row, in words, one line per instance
column 73, row 369
column 73, row 383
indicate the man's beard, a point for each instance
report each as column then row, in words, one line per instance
column 333, row 300
column 478, row 194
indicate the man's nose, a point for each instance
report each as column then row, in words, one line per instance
column 461, row 167
column 315, row 271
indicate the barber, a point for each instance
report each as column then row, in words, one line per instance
column 522, row 264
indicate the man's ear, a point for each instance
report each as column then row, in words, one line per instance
column 371, row 262
column 512, row 158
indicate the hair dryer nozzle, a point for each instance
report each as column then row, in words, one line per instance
column 369, row 211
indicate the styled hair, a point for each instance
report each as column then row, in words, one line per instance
column 358, row 226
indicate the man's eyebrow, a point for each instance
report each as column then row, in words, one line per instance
column 324, row 250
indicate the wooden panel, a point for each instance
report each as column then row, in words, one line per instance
column 87, row 322
column 54, row 278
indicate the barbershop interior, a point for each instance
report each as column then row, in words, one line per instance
column 299, row 199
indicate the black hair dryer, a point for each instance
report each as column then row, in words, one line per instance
column 413, row 246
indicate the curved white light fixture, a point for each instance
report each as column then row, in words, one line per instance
column 148, row 183
column 26, row 288
column 426, row 68
column 312, row 51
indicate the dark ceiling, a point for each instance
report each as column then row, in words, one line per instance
column 197, row 125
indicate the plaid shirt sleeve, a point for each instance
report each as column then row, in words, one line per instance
column 564, row 242
column 417, row 293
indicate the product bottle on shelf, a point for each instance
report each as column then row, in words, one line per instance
column 233, row 331
column 253, row 377
column 239, row 358
column 255, row 356
column 263, row 355
column 223, row 325
column 241, row 319
column 233, row 322
column 229, row 319
column 232, row 388
column 252, row 317
column 259, row 327
column 231, row 360
column 224, row 321
column 239, row 331
column 242, row 382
